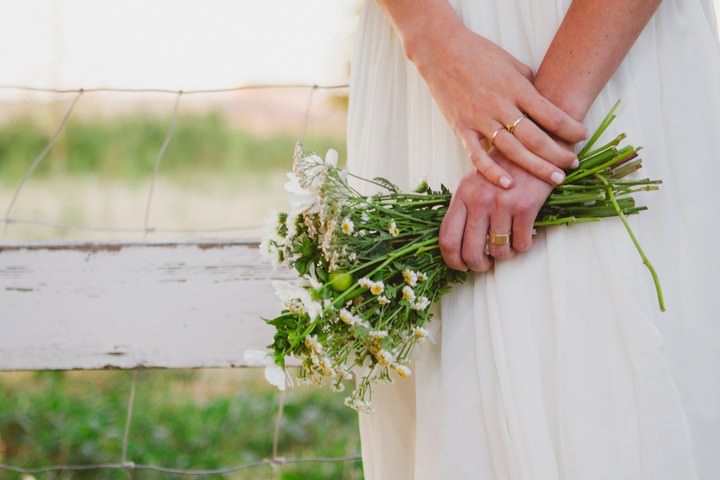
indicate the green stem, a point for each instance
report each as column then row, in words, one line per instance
column 347, row 294
column 646, row 261
column 601, row 129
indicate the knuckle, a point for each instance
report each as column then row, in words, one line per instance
column 484, row 198
column 525, row 206
column 554, row 120
column 447, row 244
column 536, row 142
column 502, row 203
column 476, row 261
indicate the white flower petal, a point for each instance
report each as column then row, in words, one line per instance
column 331, row 158
column 275, row 375
column 300, row 199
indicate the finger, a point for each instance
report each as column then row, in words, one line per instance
column 542, row 145
column 451, row 234
column 551, row 118
column 516, row 152
column 474, row 241
column 501, row 223
column 485, row 166
column 522, row 227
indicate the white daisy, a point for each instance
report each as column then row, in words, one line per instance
column 377, row 287
column 347, row 226
column 410, row 277
column 408, row 293
column 421, row 303
column 401, row 370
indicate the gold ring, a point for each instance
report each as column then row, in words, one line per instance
column 489, row 143
column 510, row 127
column 499, row 239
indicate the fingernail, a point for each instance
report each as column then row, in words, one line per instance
column 505, row 182
column 575, row 164
column 557, row 178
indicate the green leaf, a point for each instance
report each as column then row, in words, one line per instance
column 387, row 184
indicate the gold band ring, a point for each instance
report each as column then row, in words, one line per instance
column 488, row 143
column 499, row 239
column 510, row 127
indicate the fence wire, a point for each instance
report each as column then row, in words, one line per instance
column 275, row 460
column 147, row 228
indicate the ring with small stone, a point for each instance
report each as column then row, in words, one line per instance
column 510, row 127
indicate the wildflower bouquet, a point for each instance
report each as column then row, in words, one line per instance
column 369, row 267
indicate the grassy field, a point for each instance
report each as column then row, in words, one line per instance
column 125, row 147
column 183, row 418
column 98, row 173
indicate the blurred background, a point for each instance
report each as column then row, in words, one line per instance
column 224, row 164
column 224, row 167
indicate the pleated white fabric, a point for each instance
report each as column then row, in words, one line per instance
column 558, row 364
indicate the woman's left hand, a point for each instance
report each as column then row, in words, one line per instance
column 479, row 208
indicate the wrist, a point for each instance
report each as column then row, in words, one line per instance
column 427, row 37
column 572, row 101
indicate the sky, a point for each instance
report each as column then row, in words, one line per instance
column 174, row 44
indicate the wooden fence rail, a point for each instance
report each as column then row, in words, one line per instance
column 133, row 305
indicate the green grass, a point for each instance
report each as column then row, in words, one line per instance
column 126, row 147
column 78, row 418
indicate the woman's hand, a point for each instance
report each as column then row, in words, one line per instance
column 483, row 90
column 478, row 207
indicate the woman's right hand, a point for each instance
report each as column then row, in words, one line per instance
column 481, row 89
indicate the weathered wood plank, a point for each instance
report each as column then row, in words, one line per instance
column 173, row 305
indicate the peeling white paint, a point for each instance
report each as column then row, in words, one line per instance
column 87, row 306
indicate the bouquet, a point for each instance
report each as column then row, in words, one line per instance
column 369, row 267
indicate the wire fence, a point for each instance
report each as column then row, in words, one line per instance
column 275, row 460
column 147, row 227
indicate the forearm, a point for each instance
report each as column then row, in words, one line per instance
column 588, row 47
column 419, row 22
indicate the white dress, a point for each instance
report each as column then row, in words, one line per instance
column 559, row 364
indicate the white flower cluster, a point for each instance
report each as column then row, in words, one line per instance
column 411, row 278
